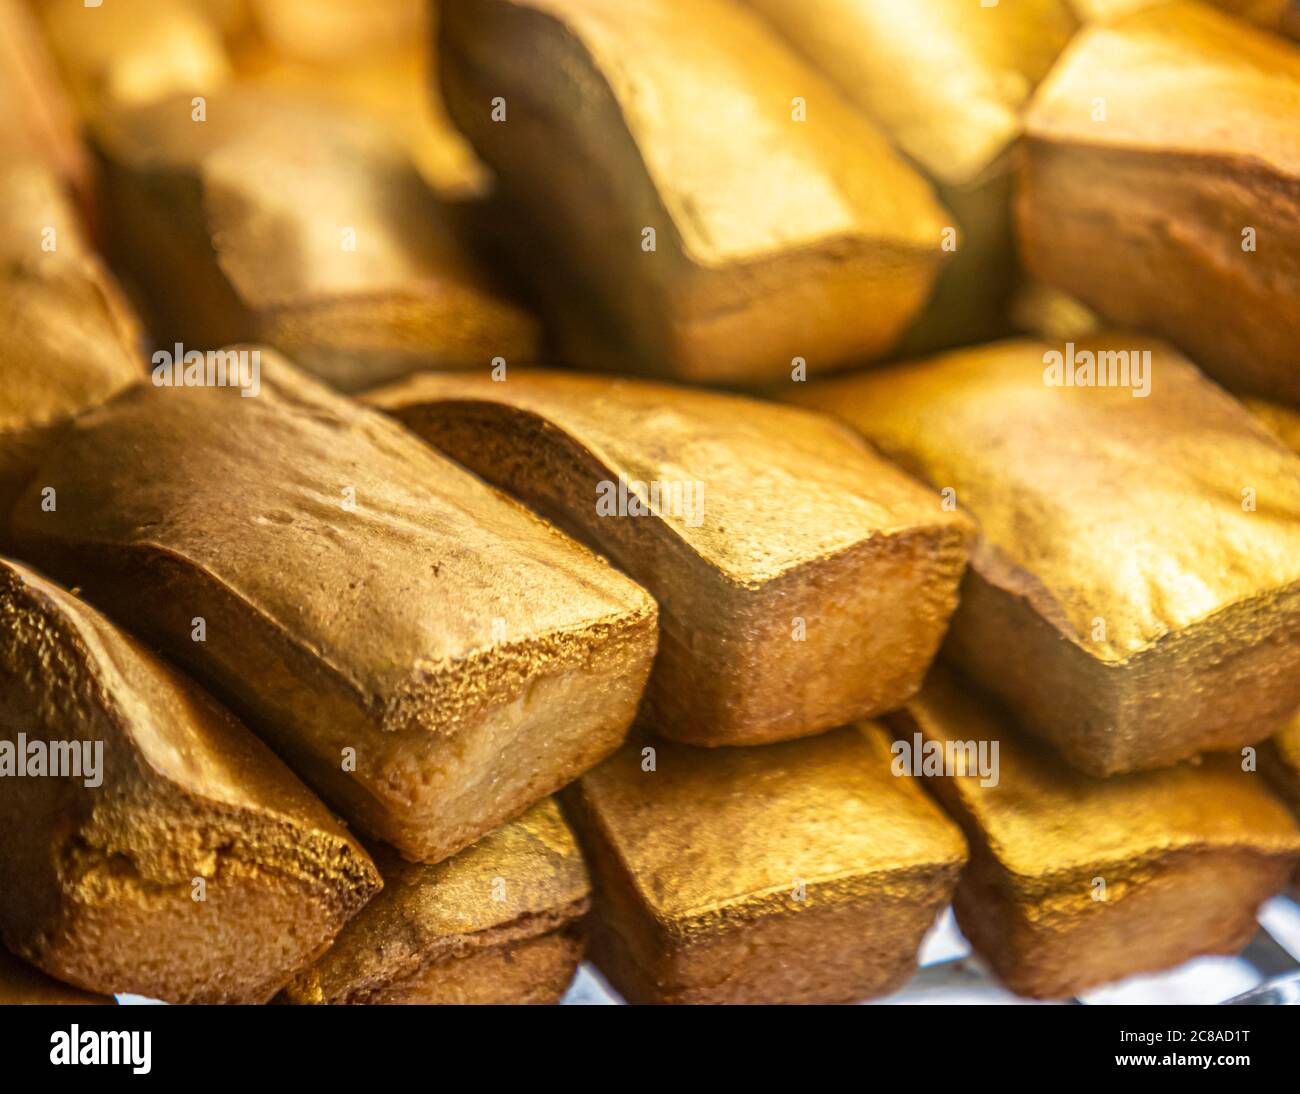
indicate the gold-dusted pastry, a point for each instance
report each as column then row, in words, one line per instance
column 802, row 581
column 127, row 52
column 947, row 81
column 1161, row 186
column 501, row 922
column 801, row 872
column 70, row 340
column 692, row 184
column 376, row 57
column 1076, row 881
column 23, row 984
column 37, row 121
column 426, row 653
column 152, row 844
column 283, row 218
column 1135, row 595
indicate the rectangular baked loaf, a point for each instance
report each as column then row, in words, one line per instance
column 799, row 872
column 676, row 170
column 426, row 653
column 1135, row 593
column 803, row 582
column 1076, row 881
column 499, row 923
column 151, row 843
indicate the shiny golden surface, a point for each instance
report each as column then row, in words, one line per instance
column 699, row 865
column 1144, row 215
column 947, row 81
column 788, row 517
column 1116, row 553
column 373, row 57
column 521, row 882
column 1045, row 834
column 70, row 341
column 36, row 119
column 286, row 219
column 102, row 873
column 775, row 237
column 472, row 658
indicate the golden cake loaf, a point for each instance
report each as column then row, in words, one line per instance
column 1161, row 186
column 1135, row 593
column 175, row 856
column 947, row 81
column 426, row 653
column 800, row 872
column 802, row 581
column 693, row 196
column 1076, row 881
column 70, row 339
column 281, row 217
column 500, row 922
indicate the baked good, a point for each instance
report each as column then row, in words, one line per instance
column 802, row 581
column 70, row 339
column 1135, row 594
column 800, row 872
column 426, row 653
column 500, row 922
column 175, row 856
column 678, row 173
column 1076, row 881
column 1161, row 186
column 36, row 119
column 286, row 219
column 947, row 82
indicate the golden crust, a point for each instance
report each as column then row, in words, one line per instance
column 776, row 235
column 796, row 872
column 70, row 339
column 780, row 517
column 184, row 796
column 1179, row 210
column 1076, row 881
column 368, row 603
column 447, row 933
column 1122, row 599
column 960, row 127
column 285, row 218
